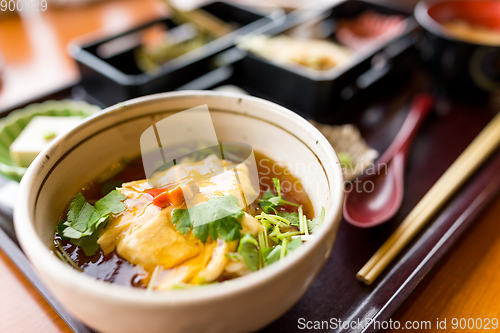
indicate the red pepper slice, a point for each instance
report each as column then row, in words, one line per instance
column 155, row 191
column 163, row 198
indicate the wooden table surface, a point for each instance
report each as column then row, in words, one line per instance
column 464, row 284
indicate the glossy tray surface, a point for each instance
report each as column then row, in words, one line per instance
column 336, row 294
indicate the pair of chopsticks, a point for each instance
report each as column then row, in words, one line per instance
column 466, row 164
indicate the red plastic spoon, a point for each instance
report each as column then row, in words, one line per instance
column 377, row 196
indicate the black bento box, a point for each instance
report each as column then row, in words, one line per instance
column 115, row 78
column 320, row 95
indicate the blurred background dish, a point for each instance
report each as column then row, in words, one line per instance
column 164, row 54
column 12, row 125
column 472, row 33
column 461, row 47
column 368, row 28
column 319, row 55
column 310, row 36
column 194, row 29
column 354, row 153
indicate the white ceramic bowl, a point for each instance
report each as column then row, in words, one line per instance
column 240, row 305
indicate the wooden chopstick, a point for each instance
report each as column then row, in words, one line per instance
column 466, row 164
column 420, row 207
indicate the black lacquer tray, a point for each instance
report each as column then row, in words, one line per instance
column 336, row 294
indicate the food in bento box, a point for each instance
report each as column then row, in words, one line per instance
column 320, row 55
column 473, row 33
column 368, row 28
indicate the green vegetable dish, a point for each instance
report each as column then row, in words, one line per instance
column 123, row 230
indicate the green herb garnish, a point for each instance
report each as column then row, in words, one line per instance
column 272, row 255
column 292, row 218
column 277, row 226
column 293, row 245
column 249, row 252
column 278, row 252
column 345, row 159
column 284, row 244
column 269, row 201
column 219, row 216
column 83, row 219
column 64, row 256
column 301, row 220
column 264, row 203
column 316, row 222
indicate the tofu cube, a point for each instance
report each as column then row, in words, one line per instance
column 37, row 135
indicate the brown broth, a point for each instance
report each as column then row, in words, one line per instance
column 113, row 268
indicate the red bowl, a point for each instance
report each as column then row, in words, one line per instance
column 432, row 14
column 485, row 13
column 467, row 69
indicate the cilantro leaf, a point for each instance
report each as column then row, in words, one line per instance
column 112, row 203
column 81, row 214
column 293, row 245
column 265, row 202
column 268, row 195
column 266, row 206
column 271, row 255
column 316, row 222
column 70, row 232
column 269, row 201
column 201, row 232
column 249, row 252
column 182, row 220
column 276, row 201
column 60, row 227
column 83, row 219
column 219, row 216
column 214, row 209
column 293, row 218
column 88, row 244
